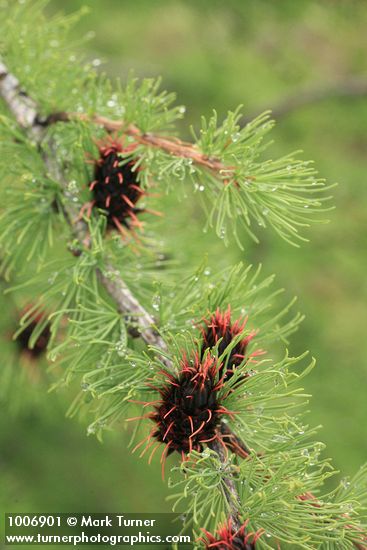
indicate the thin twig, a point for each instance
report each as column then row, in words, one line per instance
column 26, row 114
column 172, row 146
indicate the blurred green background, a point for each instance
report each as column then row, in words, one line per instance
column 218, row 54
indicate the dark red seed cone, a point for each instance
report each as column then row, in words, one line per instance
column 219, row 327
column 226, row 538
column 23, row 339
column 116, row 187
column 189, row 409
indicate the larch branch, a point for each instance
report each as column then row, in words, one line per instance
column 172, row 146
column 26, row 114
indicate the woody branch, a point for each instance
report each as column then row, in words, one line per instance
column 27, row 115
column 172, row 146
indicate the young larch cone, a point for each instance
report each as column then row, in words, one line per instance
column 218, row 327
column 116, row 188
column 226, row 538
column 189, row 410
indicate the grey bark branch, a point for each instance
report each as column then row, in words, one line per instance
column 26, row 114
column 22, row 106
column 229, row 488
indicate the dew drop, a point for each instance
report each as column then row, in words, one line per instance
column 156, row 300
column 120, row 349
column 345, row 484
column 72, row 186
